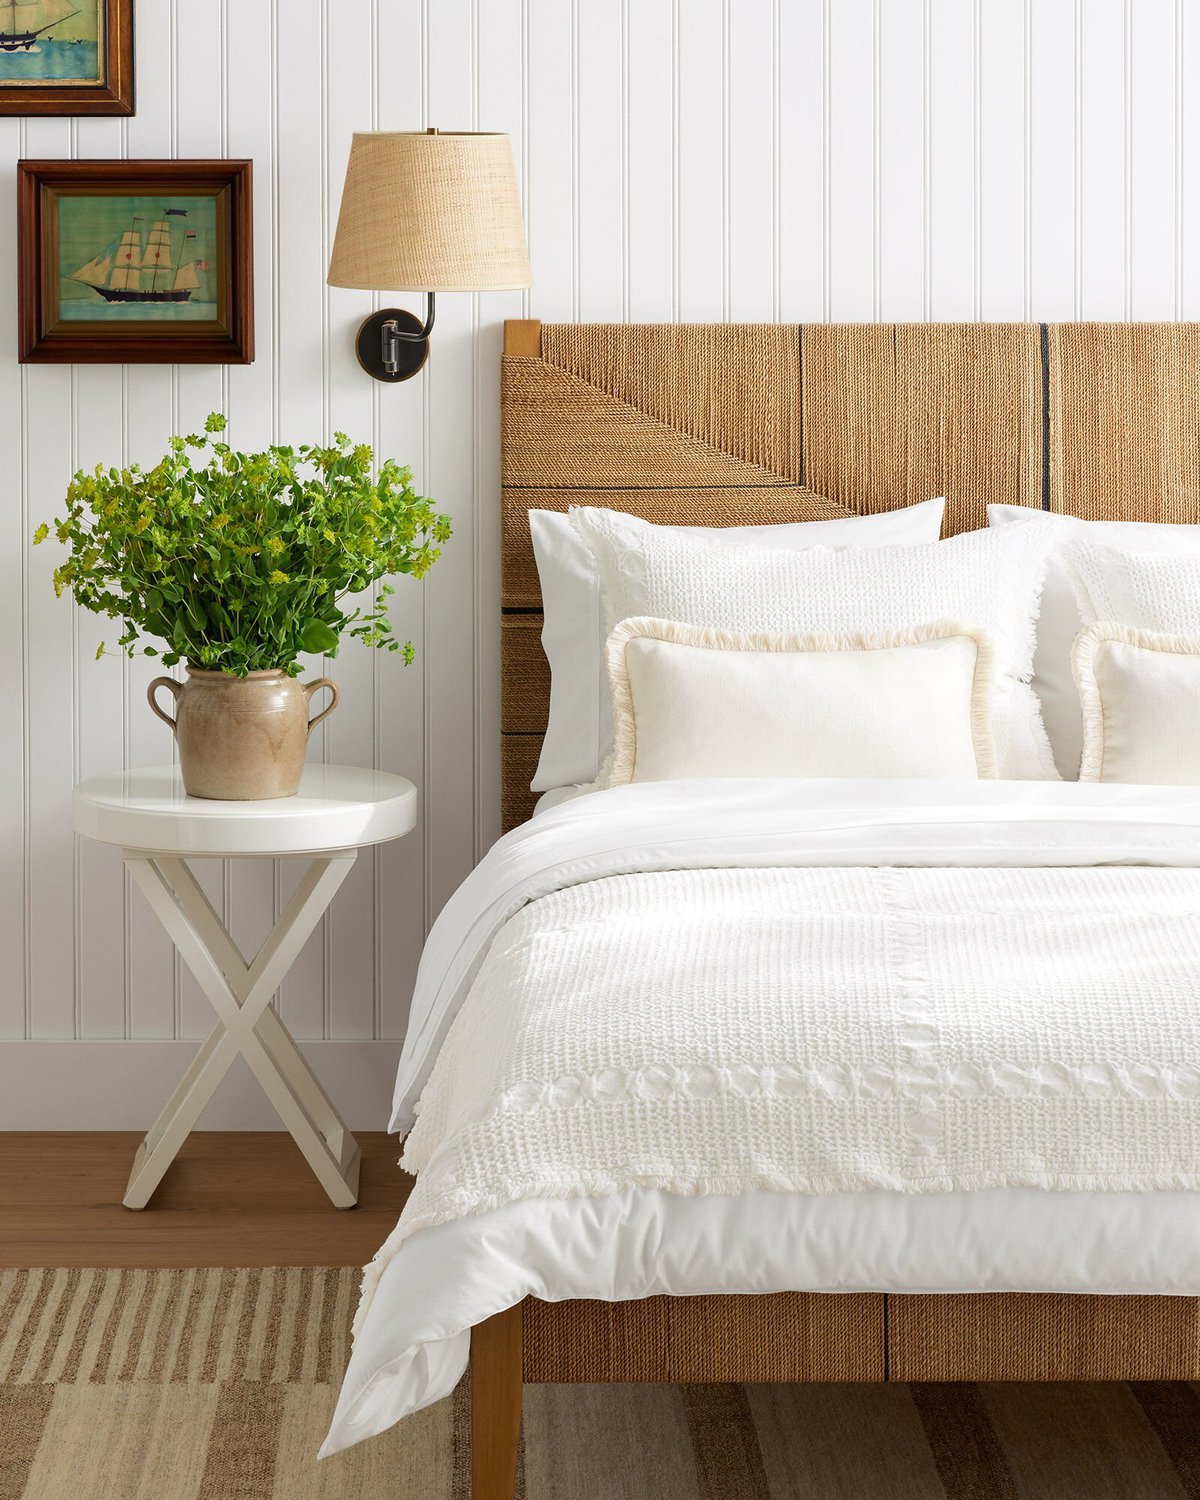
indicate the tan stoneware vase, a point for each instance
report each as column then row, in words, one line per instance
column 241, row 739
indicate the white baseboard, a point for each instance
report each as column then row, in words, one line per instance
column 123, row 1085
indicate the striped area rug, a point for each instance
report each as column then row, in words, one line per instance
column 218, row 1385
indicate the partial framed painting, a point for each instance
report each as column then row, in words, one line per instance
column 66, row 57
column 135, row 262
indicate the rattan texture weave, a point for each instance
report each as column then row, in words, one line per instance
column 696, row 1340
column 1125, row 420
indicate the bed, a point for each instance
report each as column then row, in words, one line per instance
column 967, row 1272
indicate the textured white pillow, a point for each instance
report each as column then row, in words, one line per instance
column 1060, row 619
column 1148, row 590
column 992, row 578
column 1140, row 694
column 579, row 732
column 690, row 701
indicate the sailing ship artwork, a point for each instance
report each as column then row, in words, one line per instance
column 51, row 41
column 125, row 258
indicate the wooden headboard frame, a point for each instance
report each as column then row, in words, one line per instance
column 744, row 424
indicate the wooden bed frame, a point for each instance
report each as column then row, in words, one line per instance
column 759, row 424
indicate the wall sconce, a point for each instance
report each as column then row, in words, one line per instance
column 424, row 211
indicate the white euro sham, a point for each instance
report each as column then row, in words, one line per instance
column 579, row 733
column 690, row 701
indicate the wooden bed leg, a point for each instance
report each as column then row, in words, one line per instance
column 495, row 1405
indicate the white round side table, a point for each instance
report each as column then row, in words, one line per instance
column 338, row 810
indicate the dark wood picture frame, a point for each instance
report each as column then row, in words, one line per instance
column 111, row 95
column 46, row 338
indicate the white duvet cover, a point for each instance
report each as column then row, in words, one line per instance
column 444, row 1269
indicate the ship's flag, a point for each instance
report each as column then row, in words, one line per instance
column 180, row 213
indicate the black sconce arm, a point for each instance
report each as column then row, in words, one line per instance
column 391, row 333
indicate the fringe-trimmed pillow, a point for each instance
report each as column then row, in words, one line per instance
column 695, row 701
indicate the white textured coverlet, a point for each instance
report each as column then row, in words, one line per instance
column 818, row 1030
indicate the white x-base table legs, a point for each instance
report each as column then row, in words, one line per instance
column 240, row 993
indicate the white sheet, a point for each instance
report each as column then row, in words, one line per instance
column 412, row 1339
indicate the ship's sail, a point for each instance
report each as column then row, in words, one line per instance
column 127, row 273
column 158, row 258
column 96, row 271
column 186, row 279
column 22, row 17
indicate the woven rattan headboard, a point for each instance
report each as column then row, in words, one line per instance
column 731, row 424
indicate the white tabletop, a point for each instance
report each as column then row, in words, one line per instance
column 337, row 807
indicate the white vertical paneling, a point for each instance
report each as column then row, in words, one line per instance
column 900, row 146
column 849, row 190
column 698, row 159
column 953, row 65
column 1000, row 190
column 749, row 83
column 699, row 171
column 550, row 205
column 1152, row 110
column 649, row 155
column 800, row 132
column 597, row 89
column 1101, row 207
column 1050, row 224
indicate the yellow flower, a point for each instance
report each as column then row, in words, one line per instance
column 277, row 577
column 274, row 546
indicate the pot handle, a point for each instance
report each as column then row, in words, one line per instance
column 310, row 688
column 175, row 688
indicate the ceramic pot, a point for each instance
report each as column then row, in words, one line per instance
column 241, row 739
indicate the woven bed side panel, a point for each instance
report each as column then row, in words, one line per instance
column 558, row 430
column 791, row 1336
column 733, row 386
column 1125, row 420
column 896, row 413
column 1025, row 1336
column 525, row 673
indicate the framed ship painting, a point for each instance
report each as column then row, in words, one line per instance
column 66, row 57
column 135, row 262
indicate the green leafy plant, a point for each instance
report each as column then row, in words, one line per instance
column 240, row 563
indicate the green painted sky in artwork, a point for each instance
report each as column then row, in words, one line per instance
column 85, row 25
column 86, row 224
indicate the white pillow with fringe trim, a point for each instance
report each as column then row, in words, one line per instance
column 1140, row 695
column 691, row 701
column 992, row 578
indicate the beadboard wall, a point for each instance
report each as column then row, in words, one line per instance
column 680, row 160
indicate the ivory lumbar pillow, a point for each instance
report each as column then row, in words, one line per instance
column 691, row 701
column 1140, row 695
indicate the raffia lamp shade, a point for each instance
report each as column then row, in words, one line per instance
column 430, row 213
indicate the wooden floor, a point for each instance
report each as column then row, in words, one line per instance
column 229, row 1199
